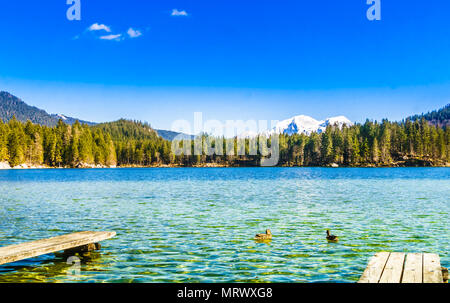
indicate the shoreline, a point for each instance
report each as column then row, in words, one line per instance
column 4, row 166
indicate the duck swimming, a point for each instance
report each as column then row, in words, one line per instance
column 331, row 238
column 266, row 236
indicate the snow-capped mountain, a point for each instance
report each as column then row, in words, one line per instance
column 299, row 125
column 338, row 121
column 306, row 125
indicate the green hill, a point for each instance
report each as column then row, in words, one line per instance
column 122, row 130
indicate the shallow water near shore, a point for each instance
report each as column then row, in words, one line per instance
column 197, row 224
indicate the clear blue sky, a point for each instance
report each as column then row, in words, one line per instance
column 229, row 59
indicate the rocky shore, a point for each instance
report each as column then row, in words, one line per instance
column 6, row 165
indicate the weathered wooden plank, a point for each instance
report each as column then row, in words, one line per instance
column 32, row 249
column 412, row 273
column 394, row 267
column 13, row 249
column 375, row 268
column 38, row 243
column 432, row 271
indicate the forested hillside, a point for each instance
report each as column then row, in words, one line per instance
column 439, row 117
column 370, row 144
column 136, row 143
column 130, row 143
column 79, row 145
column 59, row 146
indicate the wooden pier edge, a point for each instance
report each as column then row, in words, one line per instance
column 395, row 267
column 70, row 243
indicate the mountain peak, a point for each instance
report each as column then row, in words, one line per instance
column 339, row 121
column 303, row 124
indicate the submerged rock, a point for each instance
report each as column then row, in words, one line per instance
column 21, row 166
column 88, row 165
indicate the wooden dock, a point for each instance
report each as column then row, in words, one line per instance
column 394, row 267
column 76, row 242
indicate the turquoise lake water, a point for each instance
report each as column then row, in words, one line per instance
column 197, row 224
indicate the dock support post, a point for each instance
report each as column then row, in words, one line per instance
column 83, row 249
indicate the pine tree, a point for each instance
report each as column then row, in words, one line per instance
column 50, row 148
column 16, row 143
column 111, row 159
column 375, row 151
column 15, row 148
column 386, row 143
column 365, row 151
column 74, row 146
column 327, row 147
column 4, row 134
column 356, row 151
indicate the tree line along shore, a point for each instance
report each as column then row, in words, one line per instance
column 126, row 143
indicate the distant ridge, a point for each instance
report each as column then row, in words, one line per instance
column 170, row 135
column 11, row 106
column 440, row 117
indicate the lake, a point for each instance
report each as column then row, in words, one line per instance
column 198, row 224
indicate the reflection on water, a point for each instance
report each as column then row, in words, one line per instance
column 198, row 225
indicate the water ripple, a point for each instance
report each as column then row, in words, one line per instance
column 197, row 225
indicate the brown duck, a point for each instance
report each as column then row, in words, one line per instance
column 266, row 236
column 331, row 238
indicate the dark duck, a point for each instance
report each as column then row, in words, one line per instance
column 331, row 238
